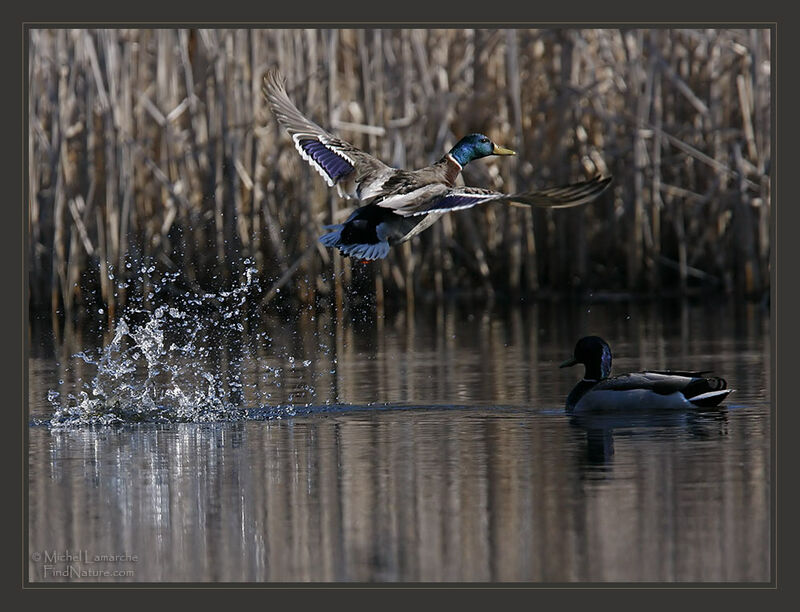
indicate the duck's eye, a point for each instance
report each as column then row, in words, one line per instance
column 484, row 140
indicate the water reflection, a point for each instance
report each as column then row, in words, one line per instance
column 648, row 424
column 467, row 468
column 414, row 495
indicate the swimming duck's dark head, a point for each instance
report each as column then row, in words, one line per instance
column 475, row 146
column 595, row 354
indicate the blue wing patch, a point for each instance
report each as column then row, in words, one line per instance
column 334, row 165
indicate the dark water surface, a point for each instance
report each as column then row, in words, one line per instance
column 430, row 446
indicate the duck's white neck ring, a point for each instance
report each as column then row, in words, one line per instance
column 455, row 161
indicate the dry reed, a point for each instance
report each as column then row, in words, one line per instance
column 156, row 146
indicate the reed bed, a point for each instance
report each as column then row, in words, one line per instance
column 153, row 152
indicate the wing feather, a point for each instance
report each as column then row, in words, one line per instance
column 336, row 160
column 564, row 196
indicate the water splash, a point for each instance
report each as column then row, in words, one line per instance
column 165, row 366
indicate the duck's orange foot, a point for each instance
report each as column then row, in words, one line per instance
column 365, row 261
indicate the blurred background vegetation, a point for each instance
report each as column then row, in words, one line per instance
column 155, row 149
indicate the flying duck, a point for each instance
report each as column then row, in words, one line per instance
column 396, row 204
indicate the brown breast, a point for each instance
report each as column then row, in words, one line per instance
column 451, row 170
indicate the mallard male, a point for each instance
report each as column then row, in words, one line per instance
column 399, row 204
column 646, row 390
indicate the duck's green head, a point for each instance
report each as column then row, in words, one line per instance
column 595, row 354
column 475, row 146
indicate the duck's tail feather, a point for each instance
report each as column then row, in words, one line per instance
column 710, row 399
column 367, row 251
column 333, row 238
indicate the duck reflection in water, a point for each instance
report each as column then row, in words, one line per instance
column 600, row 403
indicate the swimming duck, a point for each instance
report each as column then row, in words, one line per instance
column 399, row 204
column 655, row 390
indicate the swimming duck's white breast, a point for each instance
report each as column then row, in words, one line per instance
column 603, row 399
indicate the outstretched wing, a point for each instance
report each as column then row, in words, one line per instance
column 337, row 161
column 565, row 196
